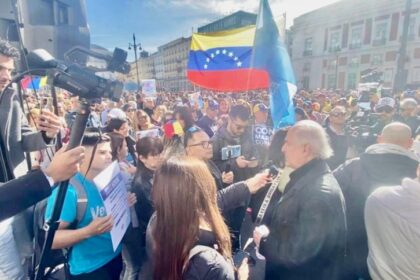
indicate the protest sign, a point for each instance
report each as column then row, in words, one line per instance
column 111, row 186
column 262, row 134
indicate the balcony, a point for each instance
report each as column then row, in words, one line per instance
column 334, row 49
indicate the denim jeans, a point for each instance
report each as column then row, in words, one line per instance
column 133, row 254
column 10, row 263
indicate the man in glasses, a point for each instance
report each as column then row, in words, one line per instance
column 234, row 150
column 335, row 130
column 385, row 110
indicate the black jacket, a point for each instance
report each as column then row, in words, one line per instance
column 339, row 144
column 358, row 178
column 223, row 139
column 142, row 187
column 209, row 265
column 307, row 227
column 18, row 194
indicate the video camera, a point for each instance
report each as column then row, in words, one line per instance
column 361, row 130
column 81, row 80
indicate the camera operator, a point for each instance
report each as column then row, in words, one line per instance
column 17, row 139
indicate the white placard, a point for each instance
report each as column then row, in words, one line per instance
column 111, row 186
column 148, row 87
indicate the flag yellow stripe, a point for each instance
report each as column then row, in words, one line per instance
column 241, row 37
column 43, row 81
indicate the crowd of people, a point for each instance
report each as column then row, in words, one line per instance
column 214, row 191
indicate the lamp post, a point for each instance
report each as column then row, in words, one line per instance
column 135, row 47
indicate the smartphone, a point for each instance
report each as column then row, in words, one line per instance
column 239, row 257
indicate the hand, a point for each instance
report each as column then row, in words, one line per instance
column 243, row 270
column 241, row 162
column 49, row 123
column 132, row 199
column 65, row 164
column 100, row 225
column 258, row 182
column 253, row 163
column 227, row 178
column 260, row 232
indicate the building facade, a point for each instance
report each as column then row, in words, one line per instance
column 235, row 20
column 333, row 45
column 54, row 25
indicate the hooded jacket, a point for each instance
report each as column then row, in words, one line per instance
column 380, row 165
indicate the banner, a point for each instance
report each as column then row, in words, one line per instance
column 148, row 87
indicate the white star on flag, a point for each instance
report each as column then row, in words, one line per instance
column 205, row 66
column 224, row 51
column 212, row 55
column 217, row 52
column 236, row 58
column 239, row 64
column 231, row 54
column 208, row 60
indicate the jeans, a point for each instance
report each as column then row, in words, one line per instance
column 10, row 264
column 133, row 253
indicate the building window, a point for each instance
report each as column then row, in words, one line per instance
column 307, row 67
column 354, row 62
column 416, row 75
column 308, row 47
column 331, row 82
column 305, row 82
column 380, row 34
column 351, row 81
column 356, row 37
column 377, row 59
column 335, row 41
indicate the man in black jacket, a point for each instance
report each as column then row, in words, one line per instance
column 382, row 164
column 338, row 139
column 308, row 225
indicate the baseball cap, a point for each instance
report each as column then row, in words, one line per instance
column 385, row 102
column 213, row 105
column 260, row 107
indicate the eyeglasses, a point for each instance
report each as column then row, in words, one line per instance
column 204, row 144
column 131, row 110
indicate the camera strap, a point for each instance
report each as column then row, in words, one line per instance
column 267, row 199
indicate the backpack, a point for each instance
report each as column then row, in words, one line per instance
column 57, row 264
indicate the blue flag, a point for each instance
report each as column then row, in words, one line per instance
column 270, row 54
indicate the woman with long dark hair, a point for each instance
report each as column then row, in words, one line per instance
column 187, row 215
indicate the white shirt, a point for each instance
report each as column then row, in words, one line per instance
column 392, row 217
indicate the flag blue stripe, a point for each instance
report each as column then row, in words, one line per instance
column 229, row 58
column 270, row 54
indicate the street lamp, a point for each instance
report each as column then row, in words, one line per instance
column 135, row 47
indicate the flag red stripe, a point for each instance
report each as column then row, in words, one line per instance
column 230, row 80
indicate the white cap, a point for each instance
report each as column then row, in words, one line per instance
column 117, row 113
column 385, row 101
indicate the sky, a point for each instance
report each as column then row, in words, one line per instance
column 156, row 22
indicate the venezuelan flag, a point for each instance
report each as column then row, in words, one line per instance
column 222, row 61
